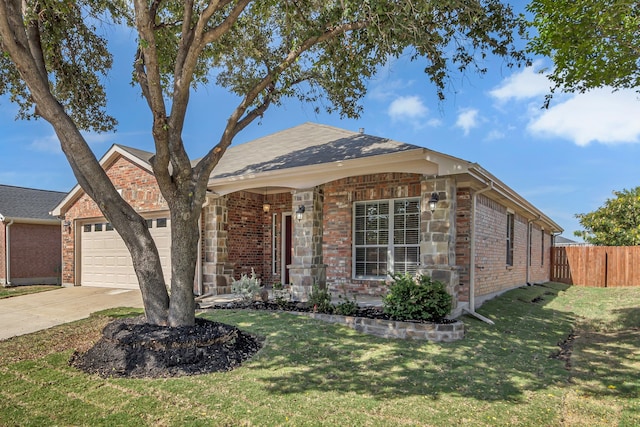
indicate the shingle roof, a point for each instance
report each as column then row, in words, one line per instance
column 141, row 154
column 303, row 145
column 27, row 203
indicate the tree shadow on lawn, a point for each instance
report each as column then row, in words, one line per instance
column 607, row 360
column 492, row 363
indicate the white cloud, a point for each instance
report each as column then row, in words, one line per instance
column 51, row 144
column 495, row 135
column 467, row 120
column 46, row 144
column 599, row 115
column 526, row 84
column 407, row 108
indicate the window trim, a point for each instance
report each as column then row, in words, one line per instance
column 390, row 244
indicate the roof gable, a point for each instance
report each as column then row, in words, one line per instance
column 304, row 145
column 28, row 203
column 139, row 157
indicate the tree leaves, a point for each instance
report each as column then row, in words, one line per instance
column 617, row 223
column 593, row 43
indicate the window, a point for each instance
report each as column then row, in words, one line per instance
column 108, row 227
column 97, row 227
column 161, row 223
column 149, row 223
column 87, row 228
column 510, row 225
column 386, row 237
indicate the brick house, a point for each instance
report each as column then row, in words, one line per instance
column 315, row 204
column 29, row 237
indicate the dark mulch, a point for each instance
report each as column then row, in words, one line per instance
column 133, row 348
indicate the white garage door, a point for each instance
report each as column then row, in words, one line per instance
column 105, row 260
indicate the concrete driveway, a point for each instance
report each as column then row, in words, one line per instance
column 34, row 312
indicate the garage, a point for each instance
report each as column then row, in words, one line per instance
column 105, row 260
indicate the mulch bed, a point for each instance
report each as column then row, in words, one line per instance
column 133, row 348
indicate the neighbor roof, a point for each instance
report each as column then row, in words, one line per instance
column 27, row 203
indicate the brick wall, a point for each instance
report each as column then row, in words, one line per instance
column 492, row 273
column 139, row 188
column 35, row 251
column 249, row 241
column 540, row 255
column 463, row 238
column 339, row 197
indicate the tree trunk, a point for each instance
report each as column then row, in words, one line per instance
column 185, row 235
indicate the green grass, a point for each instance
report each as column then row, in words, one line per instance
column 313, row 373
column 24, row 290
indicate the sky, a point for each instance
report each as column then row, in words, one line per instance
column 565, row 160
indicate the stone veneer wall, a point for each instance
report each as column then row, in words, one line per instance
column 307, row 268
column 446, row 332
column 438, row 234
column 138, row 187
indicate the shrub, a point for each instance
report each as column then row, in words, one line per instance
column 409, row 299
column 346, row 306
column 320, row 300
column 246, row 287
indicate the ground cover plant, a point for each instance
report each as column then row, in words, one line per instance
column 313, row 373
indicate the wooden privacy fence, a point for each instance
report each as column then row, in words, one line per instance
column 597, row 266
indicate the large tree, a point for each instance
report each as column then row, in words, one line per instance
column 616, row 223
column 593, row 43
column 263, row 51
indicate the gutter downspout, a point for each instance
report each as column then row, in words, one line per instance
column 7, row 235
column 472, row 262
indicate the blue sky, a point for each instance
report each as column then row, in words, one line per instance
column 565, row 160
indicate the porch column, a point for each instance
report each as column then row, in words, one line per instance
column 217, row 272
column 307, row 267
column 438, row 234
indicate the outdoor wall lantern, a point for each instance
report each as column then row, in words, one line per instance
column 67, row 226
column 433, row 201
column 299, row 212
column 266, row 207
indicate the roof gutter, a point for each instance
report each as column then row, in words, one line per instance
column 472, row 261
column 500, row 188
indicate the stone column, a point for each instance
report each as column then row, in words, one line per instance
column 438, row 234
column 217, row 272
column 307, row 268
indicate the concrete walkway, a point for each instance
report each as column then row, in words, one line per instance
column 30, row 313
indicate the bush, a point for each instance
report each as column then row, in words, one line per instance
column 320, row 300
column 346, row 306
column 247, row 287
column 409, row 299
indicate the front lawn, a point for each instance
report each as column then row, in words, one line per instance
column 24, row 290
column 312, row 373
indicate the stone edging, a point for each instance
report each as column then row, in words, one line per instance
column 437, row 332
